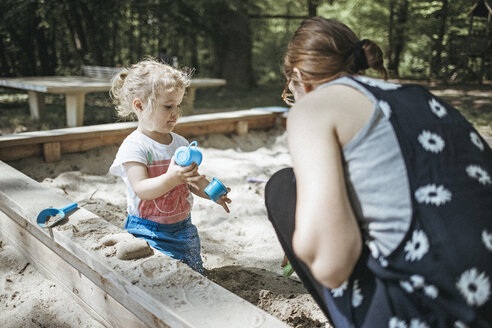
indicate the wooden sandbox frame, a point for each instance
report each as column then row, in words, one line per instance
column 114, row 295
column 52, row 144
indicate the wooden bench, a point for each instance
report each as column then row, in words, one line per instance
column 100, row 71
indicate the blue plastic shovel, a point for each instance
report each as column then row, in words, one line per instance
column 57, row 214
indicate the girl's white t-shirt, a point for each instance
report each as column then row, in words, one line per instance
column 175, row 205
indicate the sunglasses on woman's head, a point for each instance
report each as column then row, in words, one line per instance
column 287, row 96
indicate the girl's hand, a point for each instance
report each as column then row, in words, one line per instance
column 224, row 200
column 184, row 174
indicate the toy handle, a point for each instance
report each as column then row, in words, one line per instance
column 69, row 208
column 193, row 143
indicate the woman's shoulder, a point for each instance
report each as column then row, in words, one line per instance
column 339, row 98
column 339, row 107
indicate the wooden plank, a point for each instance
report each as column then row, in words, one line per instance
column 173, row 295
column 73, row 146
column 51, row 151
column 21, row 151
column 76, row 139
column 87, row 294
column 76, row 133
column 260, row 119
column 241, row 127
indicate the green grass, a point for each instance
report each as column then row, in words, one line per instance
column 223, row 98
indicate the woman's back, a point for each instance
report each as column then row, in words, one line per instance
column 377, row 179
column 443, row 264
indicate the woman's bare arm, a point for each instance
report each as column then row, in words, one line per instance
column 327, row 237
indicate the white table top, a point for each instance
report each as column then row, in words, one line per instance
column 77, row 84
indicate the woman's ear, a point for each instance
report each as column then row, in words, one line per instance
column 298, row 73
column 137, row 105
column 308, row 87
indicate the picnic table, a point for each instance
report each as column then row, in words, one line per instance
column 75, row 88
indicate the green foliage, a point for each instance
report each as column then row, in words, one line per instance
column 40, row 37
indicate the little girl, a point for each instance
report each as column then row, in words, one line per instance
column 158, row 197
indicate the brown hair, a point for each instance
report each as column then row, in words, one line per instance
column 144, row 80
column 324, row 49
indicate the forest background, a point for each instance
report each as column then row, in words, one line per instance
column 242, row 41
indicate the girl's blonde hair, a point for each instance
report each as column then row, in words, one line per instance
column 323, row 49
column 144, row 80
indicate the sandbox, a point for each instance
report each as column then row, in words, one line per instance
column 240, row 250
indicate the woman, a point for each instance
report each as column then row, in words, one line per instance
column 387, row 214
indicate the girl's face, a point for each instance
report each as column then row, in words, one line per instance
column 164, row 116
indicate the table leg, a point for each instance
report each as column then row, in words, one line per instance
column 75, row 109
column 36, row 104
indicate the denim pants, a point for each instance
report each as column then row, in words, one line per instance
column 178, row 240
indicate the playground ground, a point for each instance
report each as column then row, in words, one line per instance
column 240, row 250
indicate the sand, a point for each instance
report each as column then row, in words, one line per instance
column 240, row 250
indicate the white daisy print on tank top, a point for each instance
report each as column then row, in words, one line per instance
column 474, row 286
column 416, row 323
column 417, row 247
column 478, row 173
column 384, row 262
column 378, row 83
column 338, row 292
column 438, row 109
column 487, row 239
column 431, row 141
column 406, row 285
column 417, row 281
column 432, row 194
column 357, row 296
column 459, row 324
column 396, row 322
column 476, row 140
column 431, row 291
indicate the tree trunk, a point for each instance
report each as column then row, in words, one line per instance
column 44, row 40
column 26, row 64
column 92, row 33
column 194, row 51
column 436, row 60
column 4, row 63
column 398, row 20
column 232, row 43
column 312, row 7
column 115, row 54
column 74, row 23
